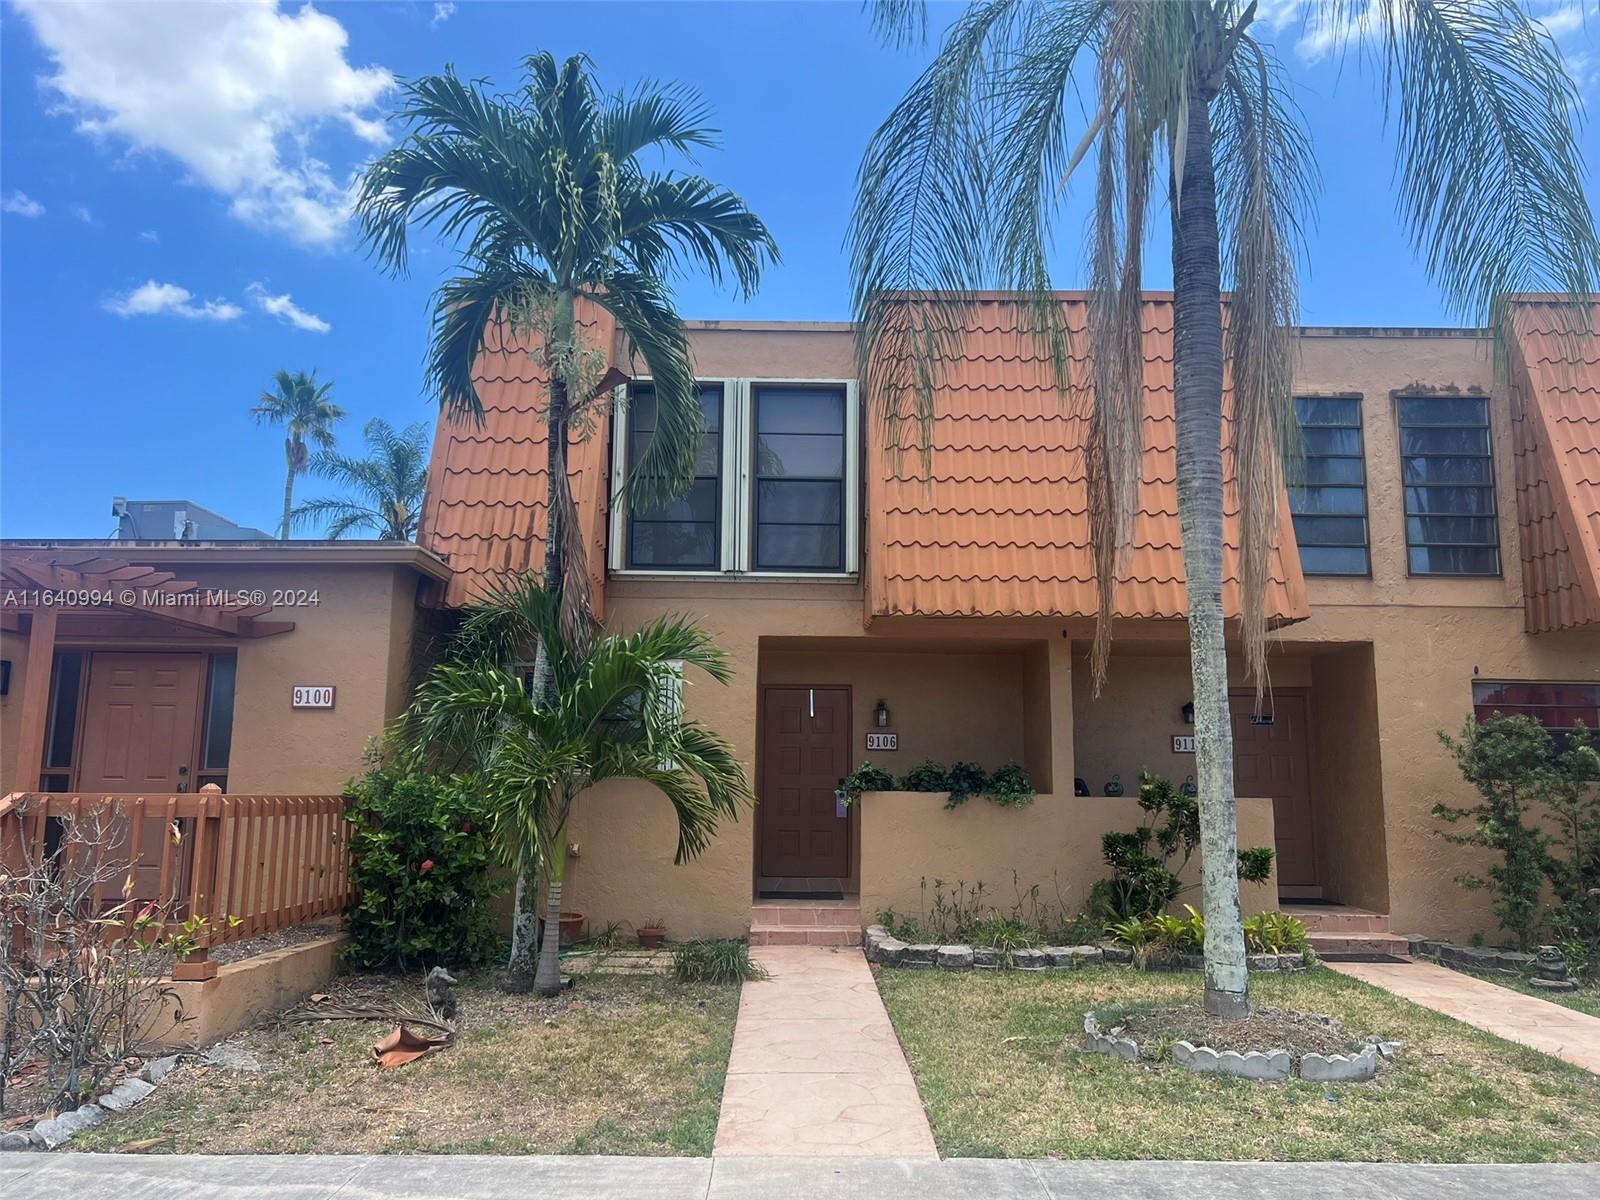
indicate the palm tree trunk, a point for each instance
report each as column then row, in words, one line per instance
column 547, row 980
column 1198, row 371
column 521, row 965
column 288, row 487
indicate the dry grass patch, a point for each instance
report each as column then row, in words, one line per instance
column 622, row 1065
column 998, row 1061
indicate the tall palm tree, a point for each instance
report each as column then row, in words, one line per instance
column 545, row 190
column 961, row 185
column 614, row 712
column 387, row 485
column 301, row 405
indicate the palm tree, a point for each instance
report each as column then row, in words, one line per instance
column 960, row 187
column 546, row 189
column 614, row 712
column 301, row 405
column 388, row 484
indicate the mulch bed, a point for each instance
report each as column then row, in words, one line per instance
column 281, row 939
column 1265, row 1029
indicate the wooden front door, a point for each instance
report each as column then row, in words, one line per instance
column 805, row 753
column 1270, row 759
column 141, row 721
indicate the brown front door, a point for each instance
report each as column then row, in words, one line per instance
column 805, row 752
column 140, row 723
column 1269, row 759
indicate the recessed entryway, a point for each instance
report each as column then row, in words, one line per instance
column 1270, row 759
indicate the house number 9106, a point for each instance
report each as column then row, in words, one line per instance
column 308, row 695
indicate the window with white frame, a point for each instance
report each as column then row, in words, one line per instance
column 775, row 489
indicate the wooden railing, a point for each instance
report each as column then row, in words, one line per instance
column 243, row 865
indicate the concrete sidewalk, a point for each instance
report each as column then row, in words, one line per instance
column 470, row 1177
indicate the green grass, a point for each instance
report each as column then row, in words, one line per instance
column 620, row 1065
column 998, row 1061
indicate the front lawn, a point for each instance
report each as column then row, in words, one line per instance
column 998, row 1059
column 621, row 1065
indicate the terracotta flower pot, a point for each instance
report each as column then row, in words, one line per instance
column 571, row 928
column 651, row 937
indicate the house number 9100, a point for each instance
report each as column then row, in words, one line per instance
column 307, row 695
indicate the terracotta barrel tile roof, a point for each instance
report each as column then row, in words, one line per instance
column 484, row 510
column 1000, row 526
column 1555, row 410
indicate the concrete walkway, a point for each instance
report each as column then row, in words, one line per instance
column 1552, row 1028
column 816, row 1068
column 469, row 1177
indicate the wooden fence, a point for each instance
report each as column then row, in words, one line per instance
column 247, row 865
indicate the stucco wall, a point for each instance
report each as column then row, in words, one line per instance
column 1347, row 779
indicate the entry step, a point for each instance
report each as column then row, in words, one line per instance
column 1374, row 946
column 833, row 914
column 803, row 935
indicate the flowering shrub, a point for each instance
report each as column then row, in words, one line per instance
column 421, row 862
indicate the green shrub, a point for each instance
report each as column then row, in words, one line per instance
column 1275, row 933
column 926, row 776
column 421, row 872
column 964, row 780
column 1009, row 786
column 868, row 777
column 715, row 962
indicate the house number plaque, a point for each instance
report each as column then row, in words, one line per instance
column 883, row 741
column 312, row 695
column 1183, row 743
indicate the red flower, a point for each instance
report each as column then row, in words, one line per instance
column 467, row 828
column 427, row 864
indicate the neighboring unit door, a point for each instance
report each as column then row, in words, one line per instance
column 805, row 752
column 140, row 723
column 1270, row 759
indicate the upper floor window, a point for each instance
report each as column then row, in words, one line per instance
column 1329, row 503
column 1556, row 706
column 685, row 535
column 1447, row 468
column 774, row 489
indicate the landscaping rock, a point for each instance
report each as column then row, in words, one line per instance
column 1262, row 962
column 1192, row 962
column 159, row 1069
column 1271, row 1067
column 1029, row 960
column 883, row 948
column 1117, row 954
column 1058, row 956
column 231, row 1056
column 955, row 958
column 1095, row 1039
column 20, row 1139
column 1340, row 1068
column 53, row 1133
column 82, row 1117
column 128, row 1093
column 985, row 958
column 1087, row 956
column 920, row 957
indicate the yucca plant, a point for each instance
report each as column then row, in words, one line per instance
column 615, row 714
column 1184, row 109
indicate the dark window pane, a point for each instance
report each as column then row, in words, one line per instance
column 708, row 460
column 807, row 455
column 799, row 547
column 1556, row 706
column 1448, row 470
column 1332, row 441
column 1333, row 470
column 1444, row 441
column 1477, row 531
column 1328, row 500
column 1328, row 410
column 681, row 544
column 1454, row 560
column 795, row 503
column 1467, row 500
column 799, row 410
column 1335, row 531
column 642, row 409
column 1333, row 560
column 1443, row 410
column 63, row 730
column 699, row 503
column 219, row 713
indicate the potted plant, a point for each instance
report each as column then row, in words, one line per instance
column 570, row 929
column 652, row 933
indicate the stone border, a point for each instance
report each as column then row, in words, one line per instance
column 1273, row 1066
column 890, row 951
column 1471, row 958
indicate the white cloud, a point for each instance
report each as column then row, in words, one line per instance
column 21, row 204
column 81, row 211
column 285, row 309
column 152, row 299
column 149, row 235
column 235, row 92
column 442, row 13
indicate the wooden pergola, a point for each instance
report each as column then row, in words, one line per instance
column 39, row 588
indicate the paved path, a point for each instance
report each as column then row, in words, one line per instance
column 1563, row 1032
column 64, row 1176
column 816, row 1068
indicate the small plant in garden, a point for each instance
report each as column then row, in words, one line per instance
column 964, row 780
column 868, row 777
column 1145, row 864
column 421, row 864
column 926, row 776
column 715, row 962
column 1275, row 933
column 1009, row 786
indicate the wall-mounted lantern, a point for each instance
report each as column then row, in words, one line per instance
column 1188, row 712
column 880, row 715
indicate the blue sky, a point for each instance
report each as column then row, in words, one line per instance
column 172, row 193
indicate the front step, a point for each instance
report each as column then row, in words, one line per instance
column 1367, row 946
column 1337, row 918
column 805, row 923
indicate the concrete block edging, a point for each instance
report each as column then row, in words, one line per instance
column 889, row 951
